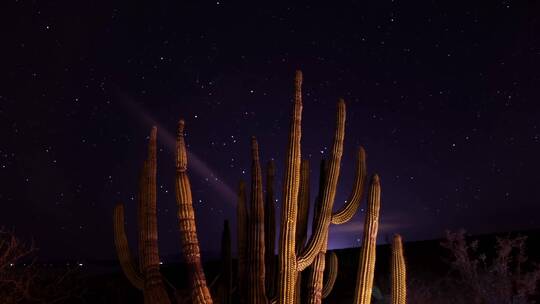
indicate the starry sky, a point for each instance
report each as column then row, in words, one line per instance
column 444, row 96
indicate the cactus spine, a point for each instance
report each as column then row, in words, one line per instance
column 270, row 231
column 225, row 287
column 366, row 265
column 399, row 272
column 256, row 287
column 188, row 229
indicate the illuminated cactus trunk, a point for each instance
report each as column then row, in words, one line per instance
column 241, row 229
column 256, row 287
column 366, row 264
column 270, row 231
column 122, row 249
column 303, row 206
column 287, row 256
column 186, row 221
column 225, row 286
column 315, row 280
column 148, row 278
column 154, row 289
column 302, row 219
column 399, row 272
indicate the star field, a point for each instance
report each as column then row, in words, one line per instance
column 444, row 97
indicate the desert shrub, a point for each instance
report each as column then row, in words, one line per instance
column 505, row 277
column 22, row 280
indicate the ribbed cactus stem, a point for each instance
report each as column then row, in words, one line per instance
column 320, row 234
column 270, row 231
column 366, row 264
column 316, row 271
column 399, row 272
column 348, row 210
column 142, row 200
column 122, row 249
column 186, row 221
column 225, row 286
column 154, row 289
column 315, row 281
column 241, row 229
column 256, row 287
column 332, row 275
column 302, row 219
column 303, row 206
column 287, row 256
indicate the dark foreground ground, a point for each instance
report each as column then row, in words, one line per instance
column 427, row 263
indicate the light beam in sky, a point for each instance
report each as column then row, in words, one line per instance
column 199, row 167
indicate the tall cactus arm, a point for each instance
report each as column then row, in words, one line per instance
column 315, row 280
column 241, row 229
column 256, row 287
column 142, row 200
column 348, row 210
column 287, row 255
column 303, row 206
column 270, row 231
column 122, row 248
column 225, row 286
column 399, row 273
column 332, row 275
column 366, row 265
column 186, row 220
column 154, row 289
column 319, row 235
column 316, row 271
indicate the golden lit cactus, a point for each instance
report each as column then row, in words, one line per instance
column 287, row 255
column 332, row 275
column 225, row 284
column 399, row 272
column 366, row 264
column 148, row 278
column 303, row 206
column 255, row 269
column 122, row 249
column 188, row 230
column 241, row 229
column 302, row 218
column 270, row 231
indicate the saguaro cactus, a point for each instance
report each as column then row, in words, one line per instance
column 122, row 249
column 399, row 273
column 366, row 265
column 186, row 221
column 149, row 279
column 255, row 249
column 270, row 231
column 225, row 284
column 332, row 275
column 256, row 287
column 241, row 222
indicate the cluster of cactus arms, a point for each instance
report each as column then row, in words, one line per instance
column 263, row 277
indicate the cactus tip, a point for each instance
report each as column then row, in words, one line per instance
column 181, row 124
column 376, row 179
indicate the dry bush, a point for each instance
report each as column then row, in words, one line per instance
column 504, row 275
column 23, row 281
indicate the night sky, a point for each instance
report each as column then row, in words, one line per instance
column 445, row 97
